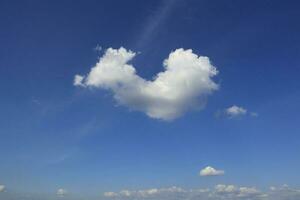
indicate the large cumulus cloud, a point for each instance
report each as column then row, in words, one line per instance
column 182, row 86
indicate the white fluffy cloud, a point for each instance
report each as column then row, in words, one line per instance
column 2, row 188
column 219, row 192
column 284, row 192
column 233, row 192
column 153, row 192
column 78, row 80
column 182, row 86
column 210, row 171
column 235, row 111
column 225, row 188
column 110, row 194
column 62, row 192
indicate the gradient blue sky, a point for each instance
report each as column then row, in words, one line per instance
column 54, row 135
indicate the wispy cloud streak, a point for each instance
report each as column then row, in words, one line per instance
column 154, row 22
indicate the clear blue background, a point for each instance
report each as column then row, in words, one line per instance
column 53, row 134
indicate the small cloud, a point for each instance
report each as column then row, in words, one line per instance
column 285, row 186
column 98, row 48
column 110, row 194
column 248, row 192
column 225, row 188
column 234, row 192
column 235, row 111
column 36, row 101
column 139, row 194
column 62, row 192
column 78, row 80
column 210, row 171
column 272, row 188
column 2, row 188
column 254, row 114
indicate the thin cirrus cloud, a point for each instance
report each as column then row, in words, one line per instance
column 183, row 85
column 210, row 171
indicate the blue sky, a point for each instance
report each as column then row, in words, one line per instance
column 83, row 140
